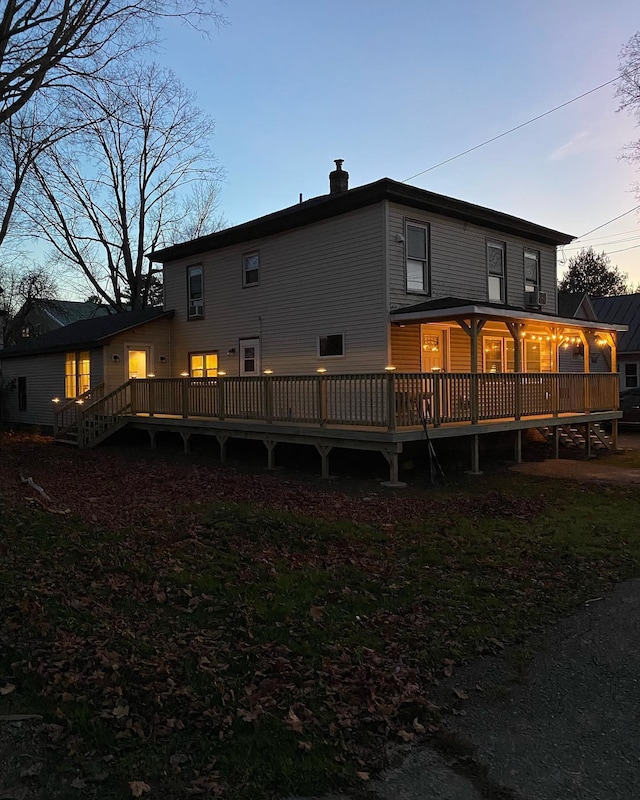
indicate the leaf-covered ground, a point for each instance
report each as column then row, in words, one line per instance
column 190, row 629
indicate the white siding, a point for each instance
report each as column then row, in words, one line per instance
column 154, row 335
column 325, row 278
column 45, row 380
column 458, row 260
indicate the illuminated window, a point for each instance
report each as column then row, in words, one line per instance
column 195, row 308
column 203, row 365
column 495, row 271
column 77, row 373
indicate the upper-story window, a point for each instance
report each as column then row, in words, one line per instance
column 250, row 269
column 531, row 271
column 195, row 306
column 417, row 249
column 496, row 272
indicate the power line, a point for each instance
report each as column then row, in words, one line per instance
column 604, row 224
column 623, row 249
column 511, row 130
column 603, row 245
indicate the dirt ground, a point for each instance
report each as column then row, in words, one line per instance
column 590, row 470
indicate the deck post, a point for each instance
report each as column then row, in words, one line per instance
column 185, row 398
column 391, row 402
column 271, row 448
column 134, row 396
column 186, row 441
column 152, row 439
column 394, row 482
column 518, row 447
column 322, row 400
column 475, row 456
column 614, row 434
column 587, row 436
column 221, row 409
column 324, row 450
column 475, row 395
column 437, row 389
column 268, row 397
column 222, row 443
column 152, row 396
column 556, row 442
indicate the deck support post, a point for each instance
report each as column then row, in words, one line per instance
column 556, row 442
column 587, row 436
column 271, row 448
column 614, row 434
column 186, row 437
column 185, row 398
column 222, row 443
column 324, row 450
column 393, row 459
column 475, row 456
column 518, row 447
column 152, row 439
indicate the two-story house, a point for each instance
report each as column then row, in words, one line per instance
column 347, row 320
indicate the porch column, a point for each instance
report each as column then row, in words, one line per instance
column 473, row 329
column 222, row 442
column 475, row 456
column 516, row 330
column 518, row 447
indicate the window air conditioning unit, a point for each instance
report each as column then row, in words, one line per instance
column 535, row 298
column 196, row 308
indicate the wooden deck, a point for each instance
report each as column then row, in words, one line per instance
column 380, row 411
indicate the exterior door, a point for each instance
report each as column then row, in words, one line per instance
column 249, row 356
column 138, row 361
column 432, row 349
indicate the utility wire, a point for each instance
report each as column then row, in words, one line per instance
column 604, row 224
column 511, row 130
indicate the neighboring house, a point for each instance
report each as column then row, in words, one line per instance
column 625, row 310
column 340, row 320
column 37, row 317
column 579, row 305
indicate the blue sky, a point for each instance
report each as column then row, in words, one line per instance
column 396, row 88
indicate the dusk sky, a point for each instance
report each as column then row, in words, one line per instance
column 393, row 89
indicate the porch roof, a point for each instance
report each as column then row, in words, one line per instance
column 444, row 308
column 86, row 333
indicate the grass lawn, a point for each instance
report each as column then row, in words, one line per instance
column 186, row 629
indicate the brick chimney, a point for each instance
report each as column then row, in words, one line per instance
column 339, row 178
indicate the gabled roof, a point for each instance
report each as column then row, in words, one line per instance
column 331, row 205
column 66, row 312
column 443, row 308
column 576, row 304
column 85, row 334
column 624, row 309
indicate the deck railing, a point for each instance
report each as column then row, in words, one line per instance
column 104, row 414
column 67, row 414
column 379, row 400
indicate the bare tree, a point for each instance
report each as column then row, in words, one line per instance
column 52, row 43
column 120, row 185
column 628, row 92
column 20, row 292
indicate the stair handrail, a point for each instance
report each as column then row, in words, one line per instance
column 77, row 403
column 97, row 408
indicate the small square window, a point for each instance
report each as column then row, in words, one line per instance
column 251, row 269
column 331, row 346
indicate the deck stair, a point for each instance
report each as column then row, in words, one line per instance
column 94, row 421
column 573, row 437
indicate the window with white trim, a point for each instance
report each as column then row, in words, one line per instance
column 531, row 271
column 417, row 252
column 195, row 292
column 251, row 269
column 496, row 272
column 77, row 373
column 331, row 346
column 203, row 365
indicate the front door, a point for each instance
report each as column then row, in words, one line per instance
column 432, row 349
column 138, row 361
column 249, row 356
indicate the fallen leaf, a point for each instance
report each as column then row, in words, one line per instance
column 7, row 688
column 406, row 736
column 138, row 788
column 306, row 746
column 293, row 721
column 461, row 694
column 418, row 727
column 364, row 776
column 316, row 613
column 120, row 712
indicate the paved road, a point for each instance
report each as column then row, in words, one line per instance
column 567, row 728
